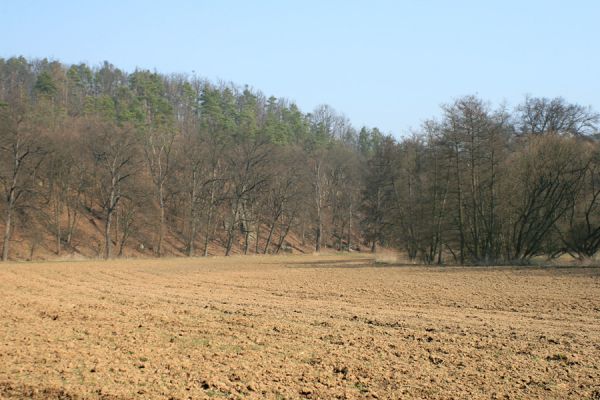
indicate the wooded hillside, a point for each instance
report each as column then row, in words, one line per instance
column 101, row 162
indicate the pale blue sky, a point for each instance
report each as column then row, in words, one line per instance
column 382, row 63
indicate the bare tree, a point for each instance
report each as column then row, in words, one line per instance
column 344, row 194
column 377, row 193
column 21, row 155
column 320, row 187
column 114, row 153
column 283, row 194
column 545, row 176
column 158, row 150
column 247, row 174
column 579, row 230
column 158, row 130
column 539, row 115
column 478, row 138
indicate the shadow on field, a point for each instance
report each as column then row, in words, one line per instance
column 10, row 390
column 342, row 263
column 593, row 270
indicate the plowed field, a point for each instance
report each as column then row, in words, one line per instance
column 297, row 327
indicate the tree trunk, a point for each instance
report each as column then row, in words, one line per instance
column 269, row 237
column 58, row 231
column 231, row 231
column 246, row 241
column 318, row 238
column 229, row 243
column 107, row 238
column 256, row 242
column 192, row 236
column 191, row 239
column 460, row 213
column 349, row 228
column 10, row 205
column 318, row 201
column 72, row 218
column 117, row 227
column 161, row 233
column 7, row 232
column 125, row 235
column 211, row 209
column 208, row 230
column 283, row 236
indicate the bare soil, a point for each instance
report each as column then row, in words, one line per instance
column 293, row 327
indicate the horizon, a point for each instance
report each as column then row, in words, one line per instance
column 378, row 65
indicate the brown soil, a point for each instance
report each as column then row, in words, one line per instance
column 296, row 327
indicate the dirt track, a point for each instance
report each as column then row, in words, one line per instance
column 296, row 327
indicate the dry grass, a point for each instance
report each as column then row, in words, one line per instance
column 296, row 327
column 388, row 256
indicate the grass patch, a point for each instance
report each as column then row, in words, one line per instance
column 558, row 357
column 361, row 387
column 216, row 393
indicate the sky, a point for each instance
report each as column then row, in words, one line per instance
column 389, row 64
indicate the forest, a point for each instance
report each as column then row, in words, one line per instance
column 175, row 164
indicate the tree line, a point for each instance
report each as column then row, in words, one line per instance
column 175, row 164
column 484, row 185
